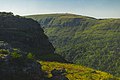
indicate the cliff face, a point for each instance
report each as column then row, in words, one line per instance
column 24, row 34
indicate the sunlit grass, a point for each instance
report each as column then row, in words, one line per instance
column 76, row 72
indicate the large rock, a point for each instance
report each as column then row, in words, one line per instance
column 17, row 66
column 25, row 34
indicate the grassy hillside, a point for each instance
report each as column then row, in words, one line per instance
column 60, row 20
column 76, row 72
column 84, row 40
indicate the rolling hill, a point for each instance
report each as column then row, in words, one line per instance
column 84, row 40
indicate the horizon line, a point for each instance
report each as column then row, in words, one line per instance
column 62, row 13
column 70, row 13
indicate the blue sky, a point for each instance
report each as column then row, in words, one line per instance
column 93, row 8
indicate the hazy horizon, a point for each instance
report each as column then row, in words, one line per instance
column 92, row 8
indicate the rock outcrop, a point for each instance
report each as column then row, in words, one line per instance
column 24, row 34
column 17, row 66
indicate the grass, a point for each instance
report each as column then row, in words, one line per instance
column 76, row 72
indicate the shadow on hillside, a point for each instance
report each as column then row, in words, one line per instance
column 58, row 75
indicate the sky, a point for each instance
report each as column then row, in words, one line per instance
column 93, row 8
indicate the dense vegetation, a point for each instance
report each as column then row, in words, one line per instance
column 84, row 40
column 24, row 34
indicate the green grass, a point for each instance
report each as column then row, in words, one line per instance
column 76, row 72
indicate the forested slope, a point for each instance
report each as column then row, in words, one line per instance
column 84, row 40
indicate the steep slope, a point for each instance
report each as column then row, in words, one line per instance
column 24, row 34
column 84, row 40
column 76, row 72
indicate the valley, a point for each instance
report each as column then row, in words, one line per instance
column 84, row 40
